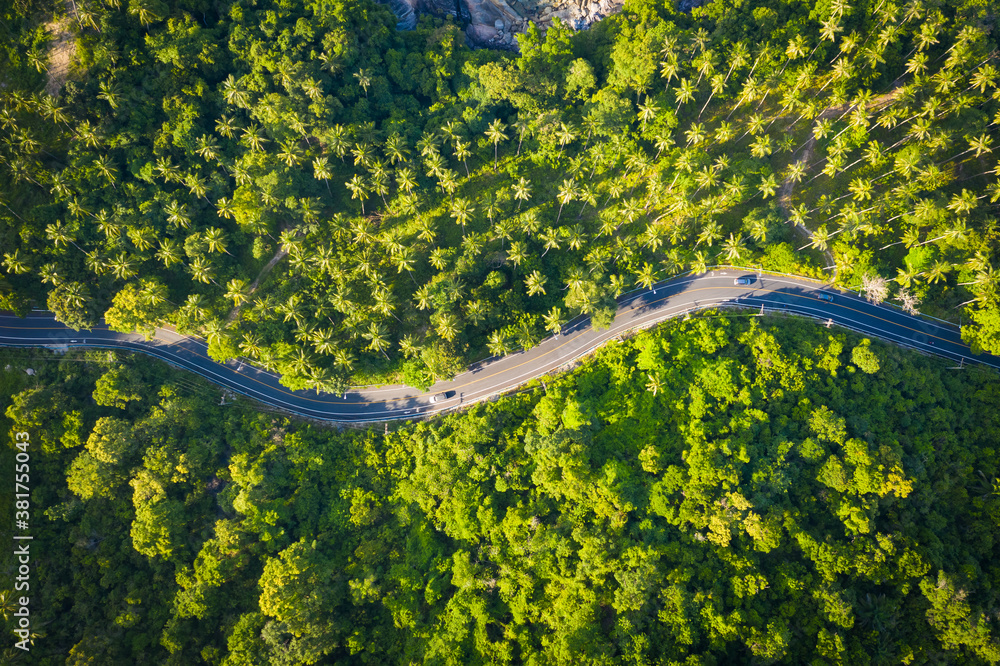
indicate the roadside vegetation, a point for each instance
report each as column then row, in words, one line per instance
column 716, row 490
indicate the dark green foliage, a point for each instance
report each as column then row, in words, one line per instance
column 716, row 490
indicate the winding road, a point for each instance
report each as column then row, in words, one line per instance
column 484, row 379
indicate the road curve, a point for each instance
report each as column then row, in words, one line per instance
column 669, row 299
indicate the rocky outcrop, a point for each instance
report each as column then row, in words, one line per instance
column 406, row 15
column 495, row 23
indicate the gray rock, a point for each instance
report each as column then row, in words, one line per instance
column 499, row 25
column 405, row 15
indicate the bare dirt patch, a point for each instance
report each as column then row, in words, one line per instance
column 62, row 47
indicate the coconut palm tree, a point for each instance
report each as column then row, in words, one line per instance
column 938, row 271
column 733, row 248
column 363, row 77
column 49, row 274
column 142, row 237
column 550, row 238
column 495, row 133
column 16, row 262
column 406, row 179
column 226, row 126
column 448, row 182
column 428, row 144
column 522, row 191
column 761, row 146
column 696, row 134
column 321, row 171
column 60, row 234
column 684, row 93
column 462, row 210
column 768, row 185
column 123, row 267
column 566, row 134
column 236, row 290
column 522, row 127
column 207, row 147
column 106, row 168
column 724, row 132
column 554, row 320
column 518, row 253
column 796, row 171
column 476, row 312
column 409, row 346
column 336, row 140
column 718, row 84
column 535, row 282
column 654, row 383
column 497, row 343
column 364, row 154
column 463, row 153
column 253, row 138
column 234, row 93
column 359, row 190
column 567, row 192
column 647, row 113
column 699, row 262
column 575, row 279
column 646, row 276
column 215, row 238
column 170, row 252
column 396, row 149
column 251, row 345
column 200, row 269
column 380, row 186
column 448, row 326
column 224, row 208
column 111, row 93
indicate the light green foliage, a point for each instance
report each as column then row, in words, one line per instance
column 985, row 336
column 132, row 310
column 866, row 359
column 753, row 489
column 580, row 79
column 118, row 387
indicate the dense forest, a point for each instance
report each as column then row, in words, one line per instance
column 310, row 189
column 718, row 490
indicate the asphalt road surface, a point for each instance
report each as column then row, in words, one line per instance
column 486, row 378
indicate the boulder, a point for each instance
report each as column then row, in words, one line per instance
column 497, row 22
column 479, row 33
